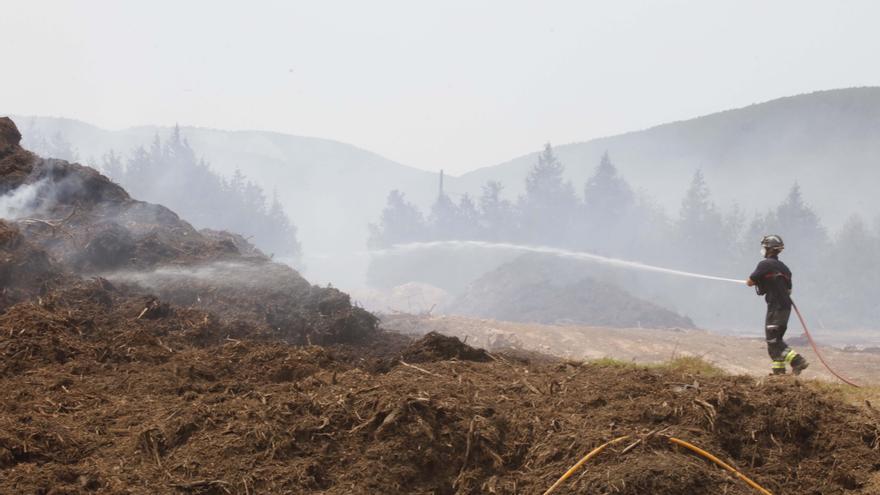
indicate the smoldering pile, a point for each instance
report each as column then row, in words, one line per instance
column 69, row 219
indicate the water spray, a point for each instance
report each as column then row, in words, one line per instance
column 562, row 253
column 585, row 256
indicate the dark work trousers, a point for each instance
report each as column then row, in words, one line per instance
column 774, row 327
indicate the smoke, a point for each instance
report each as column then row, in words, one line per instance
column 217, row 274
column 22, row 201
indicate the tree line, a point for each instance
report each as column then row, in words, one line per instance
column 171, row 174
column 838, row 275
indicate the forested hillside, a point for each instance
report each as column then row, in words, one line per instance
column 836, row 272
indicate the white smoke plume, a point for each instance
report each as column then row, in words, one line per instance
column 220, row 274
column 21, row 202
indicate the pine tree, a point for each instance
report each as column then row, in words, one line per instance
column 283, row 233
column 732, row 228
column 139, row 173
column 171, row 174
column 496, row 213
column 468, row 219
column 549, row 204
column 700, row 230
column 608, row 209
column 401, row 222
column 444, row 219
column 54, row 146
column 237, row 182
column 850, row 288
column 156, row 150
column 799, row 223
column 60, row 147
column 606, row 192
column 111, row 164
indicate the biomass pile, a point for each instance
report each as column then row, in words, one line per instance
column 138, row 355
column 154, row 409
column 70, row 224
column 545, row 289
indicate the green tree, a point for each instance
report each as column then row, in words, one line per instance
column 111, row 164
column 700, row 229
column 281, row 232
column 170, row 173
column 444, row 219
column 850, row 287
column 468, row 218
column 797, row 222
column 608, row 210
column 55, row 145
column 549, row 204
column 401, row 222
column 497, row 216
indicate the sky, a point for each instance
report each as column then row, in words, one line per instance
column 447, row 84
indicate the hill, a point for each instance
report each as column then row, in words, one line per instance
column 538, row 289
column 827, row 141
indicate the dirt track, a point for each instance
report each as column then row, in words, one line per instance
column 735, row 355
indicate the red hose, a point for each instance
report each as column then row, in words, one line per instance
column 816, row 349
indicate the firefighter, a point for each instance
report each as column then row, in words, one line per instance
column 772, row 279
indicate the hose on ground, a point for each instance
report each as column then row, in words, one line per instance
column 816, row 348
column 593, row 453
column 721, row 463
column 677, row 441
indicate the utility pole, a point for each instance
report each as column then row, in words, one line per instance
column 440, row 195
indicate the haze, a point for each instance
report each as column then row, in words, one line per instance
column 453, row 85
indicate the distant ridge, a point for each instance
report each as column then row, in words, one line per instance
column 827, row 141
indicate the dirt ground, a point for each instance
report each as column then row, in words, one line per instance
column 140, row 356
column 153, row 410
column 736, row 355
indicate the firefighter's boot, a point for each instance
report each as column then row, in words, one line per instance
column 798, row 364
column 778, row 368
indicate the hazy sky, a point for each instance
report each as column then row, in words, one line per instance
column 451, row 84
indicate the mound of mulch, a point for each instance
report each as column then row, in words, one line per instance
column 437, row 347
column 158, row 408
column 545, row 289
column 83, row 224
column 25, row 270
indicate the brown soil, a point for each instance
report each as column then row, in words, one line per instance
column 187, row 368
column 437, row 347
column 171, row 405
column 23, row 269
column 736, row 355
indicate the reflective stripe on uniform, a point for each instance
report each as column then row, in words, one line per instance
column 789, row 357
column 778, row 365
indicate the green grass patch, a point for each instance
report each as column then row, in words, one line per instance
column 693, row 365
column 848, row 393
column 684, row 364
column 607, row 362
